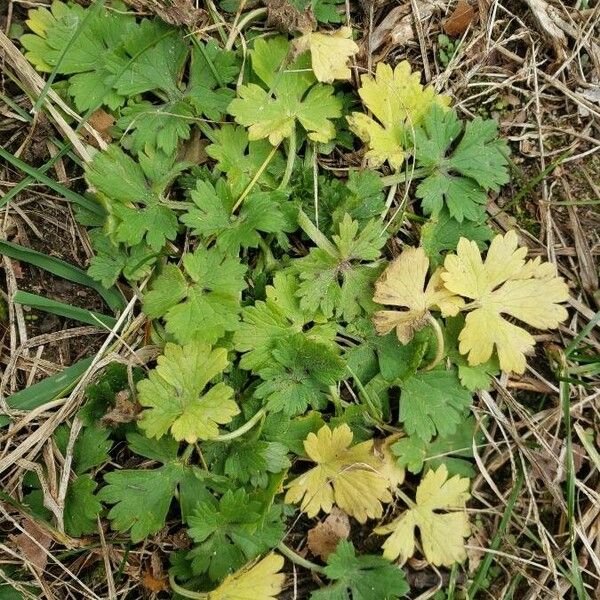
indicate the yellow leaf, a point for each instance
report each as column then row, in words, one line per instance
column 402, row 284
column 398, row 102
column 329, row 53
column 503, row 284
column 389, row 464
column 442, row 534
column 261, row 581
column 347, row 476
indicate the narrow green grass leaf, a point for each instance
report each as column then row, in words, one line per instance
column 68, row 194
column 60, row 268
column 64, row 310
column 19, row 187
column 487, row 561
column 50, row 388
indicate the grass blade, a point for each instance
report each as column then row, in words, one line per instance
column 50, row 388
column 68, row 194
column 64, row 310
column 60, row 268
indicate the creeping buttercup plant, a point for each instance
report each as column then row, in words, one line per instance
column 291, row 333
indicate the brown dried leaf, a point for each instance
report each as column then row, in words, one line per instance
column 101, row 121
column 323, row 538
column 174, row 12
column 124, row 411
column 285, row 17
column 27, row 546
column 154, row 578
column 460, row 19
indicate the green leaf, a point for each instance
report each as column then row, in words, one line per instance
column 121, row 182
column 175, row 398
column 300, row 375
column 230, row 532
column 241, row 159
column 291, row 432
column 277, row 318
column 251, row 461
column 398, row 360
column 292, row 96
column 91, row 449
column 163, row 450
column 363, row 577
column 205, row 304
column 212, row 216
column 413, row 453
column 97, row 43
column 441, row 233
column 433, row 402
column 336, row 279
column 113, row 260
column 152, row 59
column 211, row 69
column 81, row 506
column 141, row 498
column 459, row 175
column 159, row 126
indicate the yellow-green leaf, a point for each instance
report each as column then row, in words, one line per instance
column 402, row 284
column 261, row 581
column 503, row 284
column 399, row 103
column 329, row 53
column 346, row 476
column 442, row 533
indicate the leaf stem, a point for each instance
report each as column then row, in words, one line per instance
column 185, row 592
column 439, row 337
column 247, row 426
column 291, row 157
column 297, row 559
column 256, row 177
column 315, row 235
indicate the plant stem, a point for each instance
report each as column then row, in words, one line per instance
column 439, row 336
column 256, row 177
column 297, row 559
column 185, row 592
column 291, row 157
column 247, row 426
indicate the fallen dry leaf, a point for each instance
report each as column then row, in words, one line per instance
column 323, row 538
column 154, row 578
column 460, row 19
column 124, row 411
column 174, row 12
column 101, row 121
column 27, row 546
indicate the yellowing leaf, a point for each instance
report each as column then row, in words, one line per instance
column 399, row 103
column 329, row 53
column 402, row 284
column 503, row 284
column 345, row 475
column 389, row 463
column 175, row 398
column 441, row 533
column 261, row 581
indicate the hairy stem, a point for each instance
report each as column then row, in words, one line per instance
column 439, row 337
column 185, row 592
column 297, row 559
column 291, row 157
column 247, row 426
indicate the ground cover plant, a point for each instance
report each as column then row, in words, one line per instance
column 306, row 306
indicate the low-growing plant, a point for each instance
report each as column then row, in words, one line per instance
column 292, row 334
